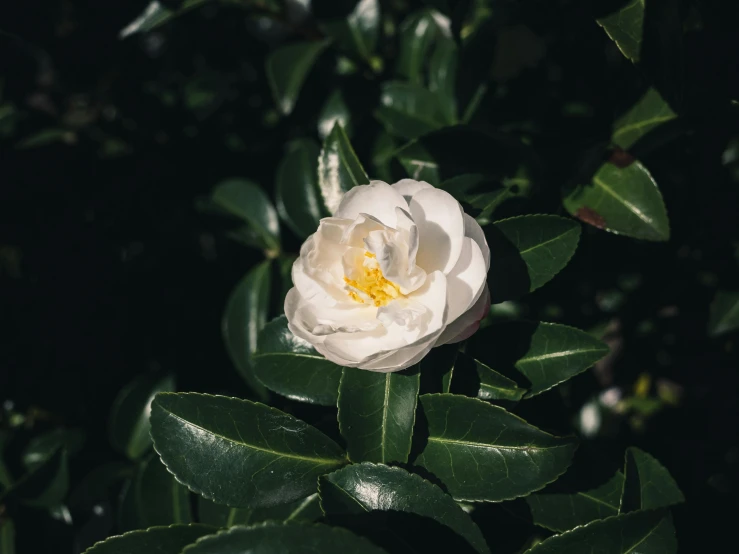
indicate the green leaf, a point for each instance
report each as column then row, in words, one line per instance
column 625, row 27
column 562, row 512
column 7, row 537
column 648, row 113
column 296, row 188
column 528, row 250
column 237, row 452
column 44, row 487
column 417, row 35
column 622, row 200
column 480, row 452
column 724, row 316
column 295, row 538
column 377, row 412
column 339, row 168
column 547, row 354
column 47, row 136
column 155, row 15
column 334, row 111
column 247, row 201
column 153, row 497
column 493, row 385
column 408, row 110
column 128, row 431
column 648, row 484
column 290, row 366
column 306, row 510
column 647, row 532
column 442, row 78
column 43, row 447
column 437, row 369
column 358, row 33
column 159, row 540
column 488, row 202
column 366, row 487
column 287, row 68
column 244, row 318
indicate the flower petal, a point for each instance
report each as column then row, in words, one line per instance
column 473, row 230
column 409, row 187
column 466, row 280
column 377, row 199
column 440, row 222
column 468, row 323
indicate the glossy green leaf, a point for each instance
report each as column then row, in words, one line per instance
column 156, row 15
column 290, row 366
column 377, row 412
column 339, row 168
column 45, row 486
column 237, row 452
column 334, row 111
column 648, row 113
column 417, row 36
column 547, row 354
column 296, row 188
column 724, row 316
column 244, row 318
column 159, row 540
column 153, row 497
column 648, row 484
column 287, row 68
column 488, row 202
column 42, row 447
column 529, row 251
column 408, row 110
column 648, row 532
column 7, row 536
column 625, row 27
column 305, row 510
column 623, row 200
column 128, row 431
column 481, row 452
column 358, row 32
column 562, row 512
column 442, row 78
column 492, row 385
column 247, row 201
column 366, row 487
column 295, row 538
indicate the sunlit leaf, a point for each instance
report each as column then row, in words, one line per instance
column 647, row 114
column 625, row 27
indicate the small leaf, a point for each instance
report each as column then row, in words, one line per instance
column 408, row 110
column 647, row 532
column 7, row 536
column 42, row 447
column 622, row 200
column 296, row 188
column 442, row 78
column 334, row 111
column 244, row 318
column 493, row 385
column 237, row 452
column 287, row 68
column 357, row 33
column 648, row 113
column 648, row 484
column 129, row 418
column 562, row 512
column 625, row 27
column 305, row 510
column 153, row 497
column 480, row 452
column 247, row 201
column 417, row 35
column 377, row 412
column 488, row 202
column 362, row 488
column 529, row 251
column 724, row 316
column 295, row 538
column 339, row 168
column 159, row 540
column 290, row 366
column 547, row 354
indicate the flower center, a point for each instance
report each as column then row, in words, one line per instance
column 371, row 285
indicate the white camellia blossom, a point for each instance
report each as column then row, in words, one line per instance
column 397, row 270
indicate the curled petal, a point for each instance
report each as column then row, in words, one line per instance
column 473, row 230
column 466, row 281
column 377, row 199
column 409, row 187
column 440, row 222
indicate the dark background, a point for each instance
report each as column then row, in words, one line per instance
column 108, row 270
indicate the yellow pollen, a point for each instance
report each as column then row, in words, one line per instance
column 373, row 284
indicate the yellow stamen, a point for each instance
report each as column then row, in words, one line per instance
column 373, row 284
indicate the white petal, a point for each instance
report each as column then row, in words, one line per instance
column 391, row 250
column 403, row 358
column 440, row 222
column 362, row 226
column 377, row 199
column 466, row 280
column 409, row 187
column 468, row 323
column 473, row 230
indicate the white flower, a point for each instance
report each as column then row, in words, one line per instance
column 398, row 270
